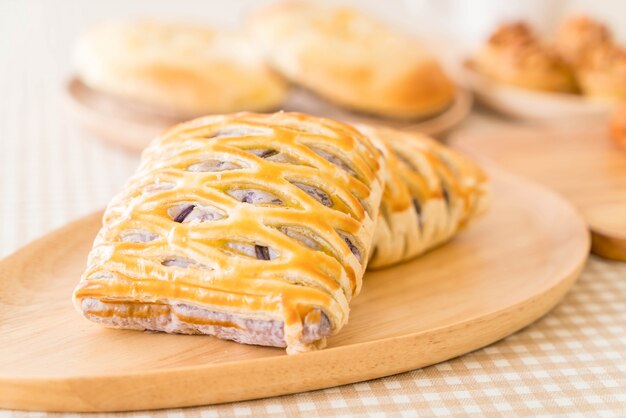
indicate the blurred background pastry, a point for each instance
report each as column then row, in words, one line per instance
column 177, row 69
column 597, row 60
column 342, row 63
column 601, row 72
column 352, row 59
column 579, row 35
column 514, row 55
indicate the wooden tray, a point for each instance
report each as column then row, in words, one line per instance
column 133, row 127
column 301, row 100
column 503, row 273
column 532, row 105
column 584, row 165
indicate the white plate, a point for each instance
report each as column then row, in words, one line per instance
column 532, row 105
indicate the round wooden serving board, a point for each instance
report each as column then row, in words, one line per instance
column 132, row 126
column 584, row 165
column 500, row 275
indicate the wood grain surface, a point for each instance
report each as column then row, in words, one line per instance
column 133, row 126
column 584, row 165
column 503, row 273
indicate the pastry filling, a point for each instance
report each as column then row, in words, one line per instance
column 190, row 212
column 158, row 187
column 176, row 261
column 273, row 155
column 418, row 209
column 254, row 196
column 213, row 166
column 263, row 153
column 446, row 195
column 298, row 235
column 138, row 235
column 316, row 326
column 417, row 206
column 260, row 252
column 350, row 243
column 102, row 274
column 315, row 193
column 189, row 319
column 333, row 159
column 182, row 215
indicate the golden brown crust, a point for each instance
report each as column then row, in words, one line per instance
column 184, row 69
column 430, row 194
column 602, row 72
column 513, row 55
column 266, row 217
column 352, row 59
column 578, row 35
column 599, row 63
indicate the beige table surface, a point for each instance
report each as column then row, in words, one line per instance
column 571, row 362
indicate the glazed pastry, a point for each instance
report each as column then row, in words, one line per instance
column 514, row 56
column 602, row 72
column 430, row 194
column 352, row 59
column 579, row 35
column 599, row 63
column 176, row 69
column 618, row 126
column 253, row 228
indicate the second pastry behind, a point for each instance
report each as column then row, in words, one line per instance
column 431, row 193
column 352, row 59
column 178, row 69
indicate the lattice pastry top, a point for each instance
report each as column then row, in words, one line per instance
column 264, row 217
column 430, row 194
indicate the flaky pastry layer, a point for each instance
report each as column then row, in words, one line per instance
column 181, row 69
column 352, row 59
column 431, row 193
column 515, row 56
column 262, row 217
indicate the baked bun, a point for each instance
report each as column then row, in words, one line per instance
column 579, row 35
column 179, row 69
column 618, row 126
column 513, row 55
column 254, row 228
column 602, row 72
column 352, row 59
column 431, row 193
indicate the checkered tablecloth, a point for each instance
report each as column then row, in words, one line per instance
column 573, row 361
